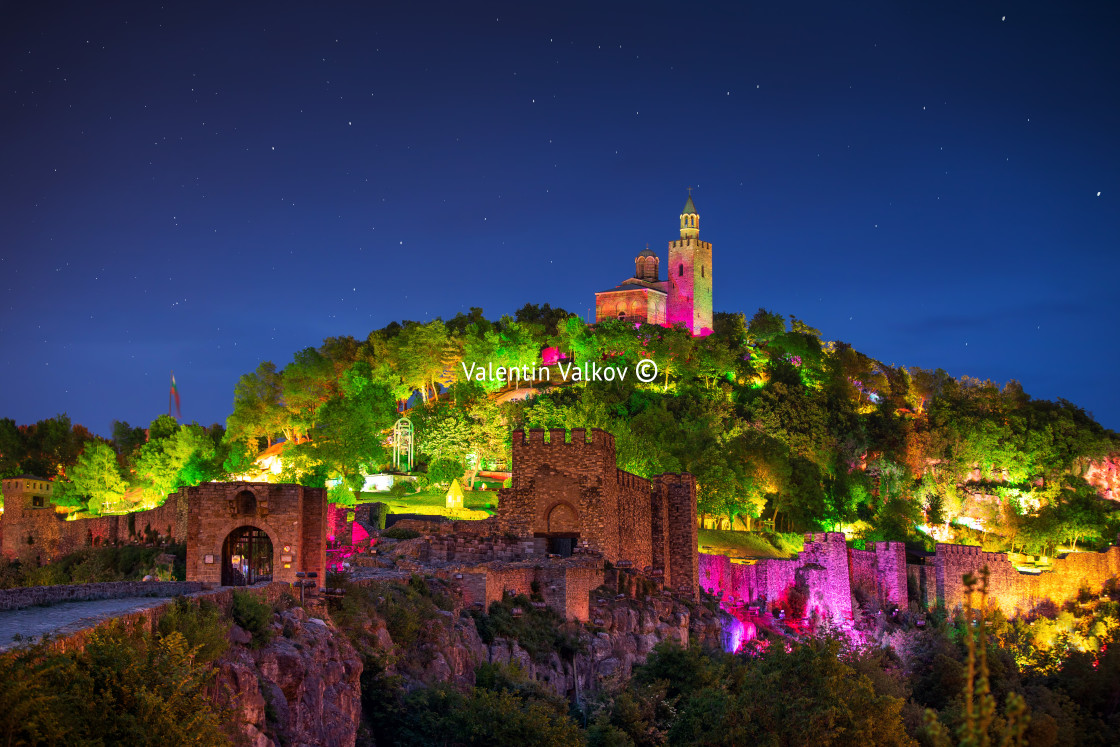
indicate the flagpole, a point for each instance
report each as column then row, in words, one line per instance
column 173, row 400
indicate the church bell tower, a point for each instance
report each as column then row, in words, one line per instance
column 690, row 276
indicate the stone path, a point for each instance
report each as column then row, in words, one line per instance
column 20, row 626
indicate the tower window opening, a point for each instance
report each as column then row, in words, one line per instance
column 680, row 270
column 701, row 270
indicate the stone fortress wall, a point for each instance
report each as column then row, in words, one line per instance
column 32, row 531
column 573, row 489
column 829, row 572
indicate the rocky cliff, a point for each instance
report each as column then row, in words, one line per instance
column 620, row 635
column 300, row 689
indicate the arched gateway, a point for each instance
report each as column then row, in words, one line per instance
column 246, row 557
column 246, row 533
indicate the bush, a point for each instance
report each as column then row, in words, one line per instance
column 443, row 471
column 253, row 615
column 200, row 624
column 443, row 715
column 93, row 565
column 124, row 687
column 539, row 631
column 378, row 513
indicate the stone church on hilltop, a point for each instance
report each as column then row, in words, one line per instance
column 684, row 297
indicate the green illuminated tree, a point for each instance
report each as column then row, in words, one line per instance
column 188, row 456
column 349, row 438
column 95, row 480
column 307, row 382
column 424, row 353
column 258, row 407
column 798, row 694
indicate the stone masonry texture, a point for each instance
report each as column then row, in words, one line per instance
column 882, row 573
column 293, row 517
column 573, row 489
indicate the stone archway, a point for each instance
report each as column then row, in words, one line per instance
column 562, row 523
column 247, row 555
column 562, row 519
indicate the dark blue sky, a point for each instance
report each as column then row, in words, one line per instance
column 203, row 186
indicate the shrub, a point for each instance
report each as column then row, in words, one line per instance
column 200, row 624
column 443, row 471
column 253, row 615
column 443, row 715
column 378, row 513
column 124, row 687
column 539, row 631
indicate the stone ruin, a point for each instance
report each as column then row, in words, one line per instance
column 571, row 522
column 829, row 571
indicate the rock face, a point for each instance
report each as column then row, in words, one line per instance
column 300, row 689
column 620, row 636
column 1104, row 475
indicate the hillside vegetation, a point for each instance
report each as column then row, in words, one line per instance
column 783, row 431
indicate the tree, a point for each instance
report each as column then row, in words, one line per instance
column 980, row 704
column 547, row 317
column 425, row 352
column 258, row 407
column 95, row 480
column 126, row 439
column 188, row 456
column 350, row 435
column 308, row 382
column 164, row 426
column 794, row 694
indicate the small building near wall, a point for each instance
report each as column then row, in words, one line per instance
column 242, row 533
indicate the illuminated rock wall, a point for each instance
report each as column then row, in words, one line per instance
column 1104, row 475
column 881, row 572
column 822, row 566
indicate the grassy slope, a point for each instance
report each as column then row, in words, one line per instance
column 745, row 544
column 476, row 504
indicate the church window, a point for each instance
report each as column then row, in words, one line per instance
column 680, row 270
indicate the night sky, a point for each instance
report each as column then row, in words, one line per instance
column 202, row 186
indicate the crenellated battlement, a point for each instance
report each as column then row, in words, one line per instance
column 690, row 243
column 627, row 480
column 826, row 538
column 960, row 551
column 679, row 479
column 569, row 488
column 558, row 438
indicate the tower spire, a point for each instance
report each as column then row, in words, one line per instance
column 690, row 219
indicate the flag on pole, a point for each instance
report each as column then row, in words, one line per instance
column 173, row 399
